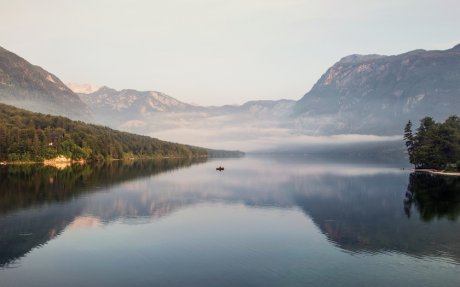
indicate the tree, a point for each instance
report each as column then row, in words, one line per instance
column 34, row 137
column 434, row 145
column 409, row 138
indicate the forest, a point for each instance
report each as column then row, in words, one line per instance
column 434, row 145
column 33, row 137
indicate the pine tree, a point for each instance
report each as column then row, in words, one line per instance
column 434, row 145
column 409, row 138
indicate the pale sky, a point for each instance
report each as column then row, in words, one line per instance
column 215, row 52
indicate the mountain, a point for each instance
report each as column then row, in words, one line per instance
column 159, row 115
column 378, row 94
column 130, row 104
column 31, row 87
column 129, row 100
column 360, row 94
column 121, row 107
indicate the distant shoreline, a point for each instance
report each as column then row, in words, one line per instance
column 438, row 172
column 70, row 161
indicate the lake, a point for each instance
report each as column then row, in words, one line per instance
column 262, row 221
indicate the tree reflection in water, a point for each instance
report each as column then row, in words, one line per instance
column 434, row 196
column 23, row 186
column 38, row 202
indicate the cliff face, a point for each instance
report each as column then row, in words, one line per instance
column 31, row 87
column 378, row 94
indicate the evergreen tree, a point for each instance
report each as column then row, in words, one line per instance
column 409, row 138
column 434, row 145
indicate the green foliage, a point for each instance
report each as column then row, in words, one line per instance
column 409, row 138
column 434, row 145
column 27, row 136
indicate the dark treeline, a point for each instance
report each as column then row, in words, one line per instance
column 28, row 136
column 434, row 145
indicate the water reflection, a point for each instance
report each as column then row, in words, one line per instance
column 363, row 214
column 356, row 207
column 434, row 196
column 38, row 202
column 22, row 186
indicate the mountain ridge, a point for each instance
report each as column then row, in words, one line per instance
column 360, row 94
column 29, row 86
column 374, row 93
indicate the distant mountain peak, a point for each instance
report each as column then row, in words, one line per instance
column 104, row 89
column 111, row 105
column 82, row 88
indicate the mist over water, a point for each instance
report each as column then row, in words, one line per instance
column 251, row 131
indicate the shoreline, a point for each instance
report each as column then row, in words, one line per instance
column 437, row 172
column 54, row 161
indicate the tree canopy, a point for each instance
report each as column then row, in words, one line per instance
column 28, row 136
column 434, row 145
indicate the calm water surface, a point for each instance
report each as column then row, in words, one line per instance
column 261, row 222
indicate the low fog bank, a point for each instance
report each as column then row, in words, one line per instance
column 260, row 131
column 259, row 140
column 378, row 151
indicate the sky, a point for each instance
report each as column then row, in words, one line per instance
column 216, row 52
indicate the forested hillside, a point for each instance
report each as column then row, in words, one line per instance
column 28, row 136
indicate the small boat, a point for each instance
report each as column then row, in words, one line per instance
column 220, row 168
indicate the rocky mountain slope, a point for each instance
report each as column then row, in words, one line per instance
column 129, row 104
column 110, row 106
column 360, row 94
column 378, row 94
column 156, row 114
column 31, row 87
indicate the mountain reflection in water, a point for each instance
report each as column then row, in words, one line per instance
column 359, row 208
column 38, row 202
